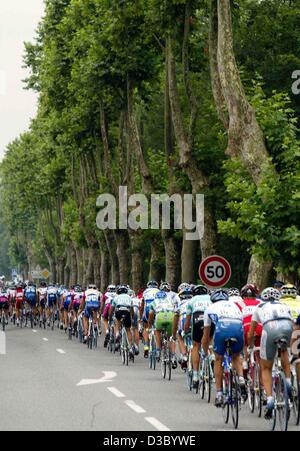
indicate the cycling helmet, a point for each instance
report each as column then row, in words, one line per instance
column 219, row 295
column 161, row 295
column 200, row 290
column 78, row 289
column 111, row 289
column 289, row 291
column 278, row 284
column 233, row 292
column 152, row 284
column 165, row 286
column 185, row 294
column 249, row 291
column 270, row 294
column 183, row 286
column 122, row 290
column 43, row 284
column 92, row 287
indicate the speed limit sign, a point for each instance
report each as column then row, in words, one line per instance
column 215, row 271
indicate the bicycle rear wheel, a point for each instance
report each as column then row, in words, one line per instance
column 235, row 399
column 226, row 406
column 283, row 408
column 164, row 363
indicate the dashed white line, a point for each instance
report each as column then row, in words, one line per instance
column 34, row 331
column 135, row 407
column 116, row 392
column 60, row 351
column 157, row 424
column 2, row 343
column 45, row 339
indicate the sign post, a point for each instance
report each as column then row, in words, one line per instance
column 215, row 271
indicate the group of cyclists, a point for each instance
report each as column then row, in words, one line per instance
column 244, row 318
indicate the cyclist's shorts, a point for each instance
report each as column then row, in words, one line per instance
column 126, row 316
column 273, row 331
column 258, row 334
column 90, row 308
column 106, row 311
column 76, row 306
column 146, row 313
column 198, row 327
column 165, row 321
column 4, row 305
column 226, row 330
column 31, row 301
column 43, row 302
column 67, row 303
column 52, row 300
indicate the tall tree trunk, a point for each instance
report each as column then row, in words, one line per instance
column 97, row 268
column 67, row 271
column 114, row 262
column 79, row 265
column 173, row 247
column 157, row 269
column 122, row 240
column 137, row 259
column 104, row 270
column 89, row 270
column 188, row 260
column 260, row 272
column 73, row 266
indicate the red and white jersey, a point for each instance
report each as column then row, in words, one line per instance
column 20, row 295
column 78, row 297
column 108, row 297
column 248, row 307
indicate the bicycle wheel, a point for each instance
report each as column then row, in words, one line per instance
column 208, row 384
column 235, row 398
column 169, row 366
column 294, row 400
column 202, row 380
column 258, row 392
column 251, row 388
column 226, row 405
column 3, row 321
column 283, row 407
column 298, row 397
column 164, row 363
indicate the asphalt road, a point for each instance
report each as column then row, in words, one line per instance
column 39, row 391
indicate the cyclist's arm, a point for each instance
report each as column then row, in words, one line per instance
column 206, row 339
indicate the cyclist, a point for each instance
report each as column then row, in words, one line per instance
column 67, row 299
column 77, row 298
column 90, row 305
column 148, row 298
column 52, row 297
column 234, row 295
column 163, row 313
column 122, row 308
column 4, row 304
column 289, row 296
column 195, row 311
column 227, row 318
column 165, row 286
column 19, row 301
column 30, row 296
column 42, row 300
column 277, row 324
column 106, row 301
column 248, row 305
column 136, row 306
column 184, row 297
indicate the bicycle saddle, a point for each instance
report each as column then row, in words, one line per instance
column 281, row 343
column 230, row 342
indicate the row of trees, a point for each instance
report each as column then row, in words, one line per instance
column 181, row 96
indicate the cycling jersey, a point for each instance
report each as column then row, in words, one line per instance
column 122, row 302
column 67, row 299
column 227, row 318
column 43, row 293
column 4, row 300
column 198, row 304
column 148, row 297
column 19, row 295
column 174, row 298
column 164, row 310
column 52, row 295
column 30, row 295
column 294, row 305
column 271, row 311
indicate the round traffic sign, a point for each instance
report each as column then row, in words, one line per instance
column 215, row 271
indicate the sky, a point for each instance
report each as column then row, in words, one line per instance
column 18, row 22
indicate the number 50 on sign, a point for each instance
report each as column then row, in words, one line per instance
column 215, row 271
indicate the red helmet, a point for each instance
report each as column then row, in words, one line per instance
column 249, row 291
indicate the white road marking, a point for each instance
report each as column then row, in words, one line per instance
column 34, row 331
column 108, row 377
column 45, row 339
column 2, row 343
column 135, row 407
column 60, row 351
column 157, row 424
column 116, row 392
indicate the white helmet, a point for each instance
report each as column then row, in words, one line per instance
column 270, row 294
